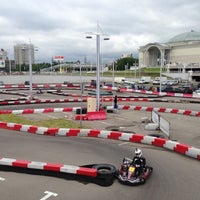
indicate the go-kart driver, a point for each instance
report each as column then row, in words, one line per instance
column 139, row 162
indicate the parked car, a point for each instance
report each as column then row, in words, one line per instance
column 167, row 89
column 172, row 82
column 1, row 83
column 27, row 83
column 197, row 92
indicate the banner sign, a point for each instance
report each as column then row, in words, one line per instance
column 58, row 58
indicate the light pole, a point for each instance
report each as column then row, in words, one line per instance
column 89, row 36
column 30, row 72
column 161, row 66
column 113, row 74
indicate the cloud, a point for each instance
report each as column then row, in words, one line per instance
column 59, row 27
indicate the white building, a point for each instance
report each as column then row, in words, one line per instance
column 180, row 54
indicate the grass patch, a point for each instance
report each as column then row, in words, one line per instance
column 50, row 123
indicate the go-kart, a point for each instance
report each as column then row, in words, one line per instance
column 128, row 173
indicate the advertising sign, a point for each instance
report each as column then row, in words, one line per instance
column 58, row 58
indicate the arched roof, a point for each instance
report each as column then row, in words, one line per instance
column 184, row 37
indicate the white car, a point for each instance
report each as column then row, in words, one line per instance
column 196, row 92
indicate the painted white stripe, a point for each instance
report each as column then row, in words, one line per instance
column 49, row 194
column 2, row 179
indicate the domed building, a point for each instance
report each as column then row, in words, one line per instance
column 180, row 54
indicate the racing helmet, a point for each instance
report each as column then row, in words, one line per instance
column 138, row 152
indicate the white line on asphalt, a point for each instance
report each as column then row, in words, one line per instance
column 2, row 179
column 48, row 194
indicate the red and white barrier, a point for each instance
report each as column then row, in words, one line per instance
column 163, row 110
column 49, row 167
column 137, row 138
column 172, row 94
column 120, row 107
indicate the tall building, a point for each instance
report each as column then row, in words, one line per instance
column 21, row 54
column 3, row 58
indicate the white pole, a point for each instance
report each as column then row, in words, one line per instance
column 98, row 72
column 161, row 66
column 113, row 74
column 30, row 72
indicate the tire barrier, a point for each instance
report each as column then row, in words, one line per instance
column 136, row 138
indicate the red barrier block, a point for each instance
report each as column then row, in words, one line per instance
column 181, row 148
column 162, row 110
column 94, row 133
column 187, row 112
column 126, row 107
column 79, row 117
column 73, row 132
column 17, row 127
column 53, row 167
column 87, row 171
column 21, row 163
column 136, row 138
column 159, row 142
column 32, row 129
column 98, row 115
column 52, row 131
column 114, row 135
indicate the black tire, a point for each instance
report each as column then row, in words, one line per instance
column 105, row 171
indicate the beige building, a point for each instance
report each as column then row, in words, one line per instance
column 180, row 54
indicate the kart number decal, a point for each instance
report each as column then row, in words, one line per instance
column 131, row 169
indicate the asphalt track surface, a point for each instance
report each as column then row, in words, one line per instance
column 175, row 176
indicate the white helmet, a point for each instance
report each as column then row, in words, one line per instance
column 138, row 152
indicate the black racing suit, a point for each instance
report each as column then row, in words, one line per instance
column 140, row 164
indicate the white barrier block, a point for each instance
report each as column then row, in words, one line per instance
column 69, row 169
column 170, row 144
column 25, row 128
column 126, row 136
column 193, row 152
column 62, row 131
column 104, row 134
column 7, row 161
column 38, row 110
column 148, row 140
column 84, row 132
column 36, row 165
column 168, row 110
column 17, row 112
column 41, row 130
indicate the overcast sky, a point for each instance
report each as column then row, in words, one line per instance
column 58, row 27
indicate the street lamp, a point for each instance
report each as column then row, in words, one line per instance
column 161, row 66
column 89, row 36
column 113, row 74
